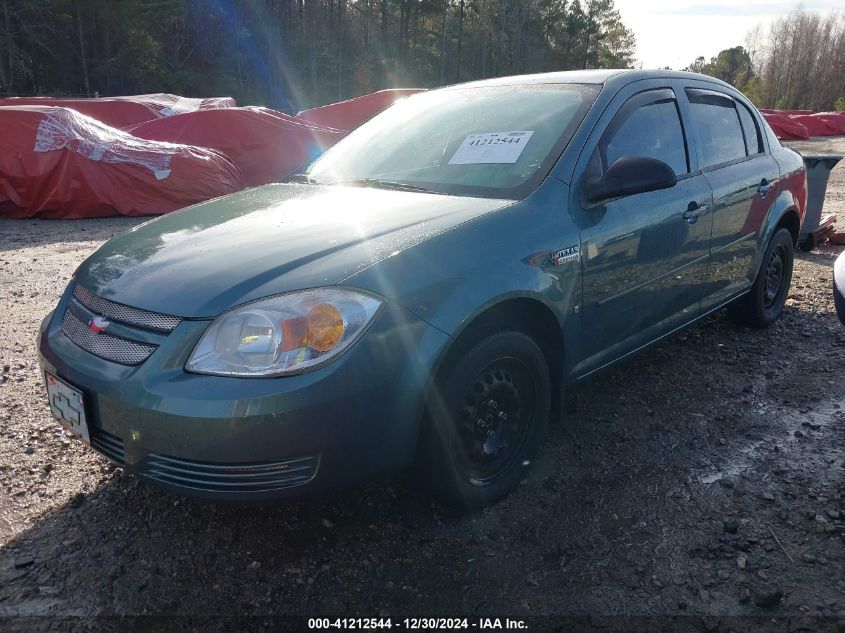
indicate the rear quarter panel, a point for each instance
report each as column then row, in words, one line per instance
column 793, row 176
column 791, row 189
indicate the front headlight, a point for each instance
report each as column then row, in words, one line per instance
column 283, row 335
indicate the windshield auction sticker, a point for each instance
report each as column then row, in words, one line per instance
column 491, row 148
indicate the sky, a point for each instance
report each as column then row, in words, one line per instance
column 674, row 32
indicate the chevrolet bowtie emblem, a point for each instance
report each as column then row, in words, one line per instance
column 98, row 324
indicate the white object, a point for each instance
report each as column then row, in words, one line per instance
column 491, row 148
column 66, row 405
column 65, row 129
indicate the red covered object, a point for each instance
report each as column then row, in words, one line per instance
column 836, row 120
column 347, row 115
column 816, row 126
column 58, row 163
column 265, row 145
column 785, row 128
column 126, row 111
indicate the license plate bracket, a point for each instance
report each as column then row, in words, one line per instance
column 67, row 405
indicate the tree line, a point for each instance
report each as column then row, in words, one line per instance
column 295, row 53
column 797, row 64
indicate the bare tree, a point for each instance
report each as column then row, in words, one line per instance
column 801, row 65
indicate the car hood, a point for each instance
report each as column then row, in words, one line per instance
column 264, row 241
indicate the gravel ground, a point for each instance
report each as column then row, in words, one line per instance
column 703, row 479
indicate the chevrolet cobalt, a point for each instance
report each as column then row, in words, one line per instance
column 422, row 292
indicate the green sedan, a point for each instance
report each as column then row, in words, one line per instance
column 419, row 296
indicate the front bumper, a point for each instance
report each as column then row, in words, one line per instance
column 839, row 286
column 255, row 439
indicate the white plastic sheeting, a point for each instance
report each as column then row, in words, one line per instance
column 78, row 133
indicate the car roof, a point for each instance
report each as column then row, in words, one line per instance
column 616, row 76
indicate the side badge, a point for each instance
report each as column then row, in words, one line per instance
column 569, row 254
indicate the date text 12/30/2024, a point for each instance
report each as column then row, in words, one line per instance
column 417, row 624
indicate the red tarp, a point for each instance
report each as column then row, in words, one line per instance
column 785, row 128
column 265, row 145
column 58, row 163
column 835, row 120
column 347, row 115
column 65, row 158
column 126, row 111
column 815, row 125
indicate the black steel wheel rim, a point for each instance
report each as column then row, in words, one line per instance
column 495, row 419
column 775, row 277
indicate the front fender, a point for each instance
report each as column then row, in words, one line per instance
column 478, row 294
column 452, row 278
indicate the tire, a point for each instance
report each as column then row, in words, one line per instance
column 764, row 303
column 486, row 420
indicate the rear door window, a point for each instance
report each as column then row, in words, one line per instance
column 716, row 121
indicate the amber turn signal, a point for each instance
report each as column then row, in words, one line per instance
column 325, row 327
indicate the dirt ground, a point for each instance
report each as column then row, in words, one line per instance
column 703, row 479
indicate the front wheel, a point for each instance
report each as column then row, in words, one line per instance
column 764, row 303
column 486, row 421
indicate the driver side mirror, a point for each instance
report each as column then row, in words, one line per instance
column 629, row 175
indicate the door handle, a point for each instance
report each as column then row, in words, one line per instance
column 694, row 211
column 765, row 187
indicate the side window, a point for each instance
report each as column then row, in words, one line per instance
column 716, row 120
column 652, row 129
column 749, row 127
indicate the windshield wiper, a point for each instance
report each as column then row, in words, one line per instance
column 303, row 178
column 378, row 183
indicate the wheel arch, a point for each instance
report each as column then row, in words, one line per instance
column 528, row 314
column 784, row 214
column 791, row 221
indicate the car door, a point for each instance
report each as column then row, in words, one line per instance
column 644, row 256
column 744, row 179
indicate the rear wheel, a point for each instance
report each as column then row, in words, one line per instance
column 764, row 303
column 486, row 421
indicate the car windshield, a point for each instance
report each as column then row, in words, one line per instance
column 498, row 141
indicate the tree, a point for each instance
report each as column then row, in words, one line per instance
column 800, row 65
column 697, row 66
column 732, row 65
column 797, row 65
column 306, row 52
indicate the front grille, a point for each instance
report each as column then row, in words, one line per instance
column 126, row 314
column 109, row 445
column 113, row 348
column 255, row 477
